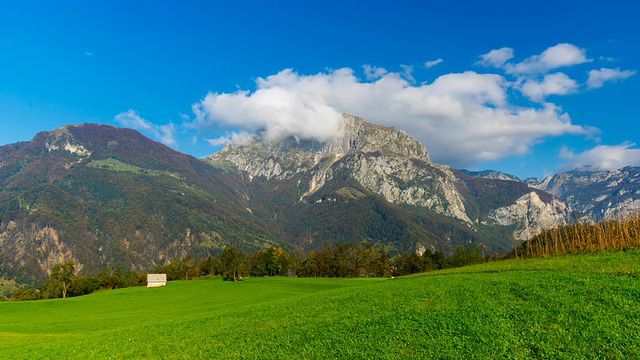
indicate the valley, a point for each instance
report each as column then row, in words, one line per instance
column 557, row 307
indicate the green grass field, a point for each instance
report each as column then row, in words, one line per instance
column 580, row 306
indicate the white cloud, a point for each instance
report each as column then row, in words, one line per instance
column 284, row 104
column 552, row 84
column 597, row 78
column 163, row 133
column 166, row 134
column 407, row 71
column 132, row 119
column 373, row 73
column 237, row 138
column 432, row 63
column 462, row 118
column 496, row 58
column 555, row 57
column 603, row 157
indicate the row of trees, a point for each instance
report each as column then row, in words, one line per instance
column 64, row 282
column 339, row 260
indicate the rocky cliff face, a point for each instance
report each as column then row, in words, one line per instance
column 395, row 166
column 386, row 162
column 599, row 194
column 531, row 215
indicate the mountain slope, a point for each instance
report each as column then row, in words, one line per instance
column 599, row 194
column 379, row 168
column 105, row 196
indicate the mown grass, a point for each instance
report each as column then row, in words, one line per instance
column 571, row 306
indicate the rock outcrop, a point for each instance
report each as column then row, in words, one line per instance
column 601, row 195
column 394, row 165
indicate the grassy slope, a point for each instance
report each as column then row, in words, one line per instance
column 585, row 306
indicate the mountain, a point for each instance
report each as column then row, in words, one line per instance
column 378, row 184
column 490, row 174
column 106, row 196
column 599, row 194
column 110, row 197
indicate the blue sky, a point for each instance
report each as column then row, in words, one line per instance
column 528, row 88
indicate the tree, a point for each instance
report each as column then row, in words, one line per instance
column 382, row 264
column 62, row 276
column 232, row 262
column 210, row 267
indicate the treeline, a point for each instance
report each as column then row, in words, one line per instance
column 588, row 236
column 338, row 260
column 64, row 282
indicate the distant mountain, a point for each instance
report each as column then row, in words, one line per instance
column 491, row 174
column 110, row 197
column 378, row 184
column 599, row 194
column 106, row 196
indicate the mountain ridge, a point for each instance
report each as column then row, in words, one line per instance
column 598, row 194
column 396, row 167
column 110, row 197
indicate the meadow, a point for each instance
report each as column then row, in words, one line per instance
column 568, row 306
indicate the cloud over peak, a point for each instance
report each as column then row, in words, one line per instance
column 283, row 104
column 462, row 118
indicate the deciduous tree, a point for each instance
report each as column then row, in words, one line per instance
column 62, row 276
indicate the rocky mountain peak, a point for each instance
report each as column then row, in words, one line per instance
column 360, row 135
column 282, row 157
column 64, row 139
column 601, row 194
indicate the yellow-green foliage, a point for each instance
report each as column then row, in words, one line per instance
column 620, row 233
column 117, row 165
column 350, row 193
column 7, row 287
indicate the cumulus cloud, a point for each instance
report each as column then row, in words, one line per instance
column 597, row 78
column 555, row 57
column 496, row 58
column 462, row 118
column 602, row 157
column 432, row 63
column 535, row 76
column 163, row 133
column 552, row 84
column 284, row 104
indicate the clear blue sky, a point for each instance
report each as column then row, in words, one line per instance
column 529, row 88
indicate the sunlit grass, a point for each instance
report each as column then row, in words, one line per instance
column 573, row 306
